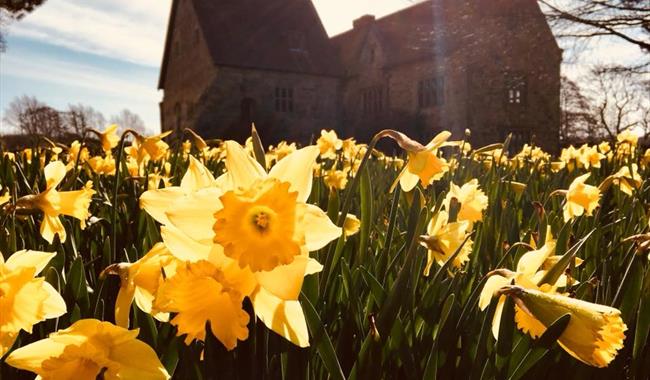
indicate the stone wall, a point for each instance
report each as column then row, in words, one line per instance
column 240, row 96
column 189, row 70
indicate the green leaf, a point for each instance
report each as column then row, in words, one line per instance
column 321, row 340
column 541, row 346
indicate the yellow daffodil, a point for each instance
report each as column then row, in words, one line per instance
column 595, row 333
column 87, row 350
column 628, row 137
column 140, row 281
column 77, row 154
column 54, row 203
column 570, row 157
column 443, row 239
column 103, row 165
column 328, row 143
column 109, row 138
column 200, row 292
column 472, row 199
column 25, row 299
column 628, row 181
column 255, row 222
column 580, row 198
column 424, row 165
column 351, row 225
column 589, row 157
column 336, row 179
column 527, row 274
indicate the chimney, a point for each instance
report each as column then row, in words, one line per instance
column 363, row 21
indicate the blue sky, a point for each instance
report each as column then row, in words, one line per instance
column 107, row 53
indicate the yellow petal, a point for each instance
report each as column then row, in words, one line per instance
column 50, row 226
column 408, row 180
column 243, row 170
column 54, row 173
column 284, row 281
column 29, row 259
column 137, row 360
column 182, row 246
column 496, row 320
column 123, row 304
column 297, row 168
column 54, row 306
column 284, row 317
column 531, row 261
column 194, row 214
column 32, row 356
column 492, row 284
column 156, row 202
column 318, row 228
column 197, row 176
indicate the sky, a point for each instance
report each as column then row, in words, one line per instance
column 107, row 53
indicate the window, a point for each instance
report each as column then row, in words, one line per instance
column 372, row 100
column 284, row 99
column 516, row 87
column 431, row 92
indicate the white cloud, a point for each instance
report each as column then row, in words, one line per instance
column 132, row 31
column 111, row 90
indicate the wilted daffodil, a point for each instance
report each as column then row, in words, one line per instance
column 54, row 203
column 140, row 281
column 87, row 350
column 472, row 199
column 594, row 335
column 443, row 239
column 25, row 300
column 424, row 165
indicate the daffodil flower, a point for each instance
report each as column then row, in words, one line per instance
column 472, row 199
column 140, row 281
column 424, row 165
column 109, row 138
column 595, row 333
column 531, row 268
column 87, row 350
column 443, row 239
column 25, row 299
column 580, row 198
column 54, row 203
column 328, row 143
column 258, row 221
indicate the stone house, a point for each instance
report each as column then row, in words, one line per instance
column 491, row 66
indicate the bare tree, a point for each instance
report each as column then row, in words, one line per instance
column 577, row 119
column 78, row 118
column 129, row 120
column 31, row 117
column 584, row 20
column 620, row 101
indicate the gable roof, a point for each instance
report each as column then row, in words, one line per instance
column 282, row 35
column 407, row 35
